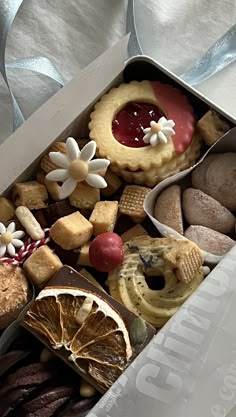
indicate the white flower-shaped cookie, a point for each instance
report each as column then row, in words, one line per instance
column 10, row 239
column 76, row 166
column 158, row 131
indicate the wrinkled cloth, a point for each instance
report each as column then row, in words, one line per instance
column 74, row 32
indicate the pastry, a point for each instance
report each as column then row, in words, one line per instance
column 133, row 128
column 212, row 127
column 14, row 293
column 168, row 210
column 7, row 210
column 209, row 240
column 42, row 265
column 30, row 194
column 86, row 327
column 75, row 166
column 176, row 268
column 71, row 231
column 104, row 216
column 203, row 210
column 216, row 177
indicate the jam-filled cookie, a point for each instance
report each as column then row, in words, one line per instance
column 146, row 130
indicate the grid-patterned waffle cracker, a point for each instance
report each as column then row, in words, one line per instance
column 131, row 201
column 186, row 258
column 46, row 164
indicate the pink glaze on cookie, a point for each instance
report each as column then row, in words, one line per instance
column 176, row 107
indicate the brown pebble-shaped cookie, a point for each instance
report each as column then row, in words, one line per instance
column 14, row 293
column 199, row 173
column 203, row 210
column 209, row 240
column 168, row 209
column 220, row 179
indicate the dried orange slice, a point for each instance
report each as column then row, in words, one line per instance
column 85, row 325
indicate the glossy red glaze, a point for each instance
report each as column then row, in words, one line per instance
column 128, row 124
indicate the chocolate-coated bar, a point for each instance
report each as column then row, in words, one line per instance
column 93, row 333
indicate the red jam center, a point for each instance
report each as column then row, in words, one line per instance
column 128, row 124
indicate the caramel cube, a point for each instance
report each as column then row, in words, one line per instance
column 7, row 210
column 134, row 231
column 30, row 194
column 104, row 216
column 42, row 265
column 72, row 231
column 113, row 183
column 132, row 200
column 84, row 196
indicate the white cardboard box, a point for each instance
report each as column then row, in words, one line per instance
column 189, row 369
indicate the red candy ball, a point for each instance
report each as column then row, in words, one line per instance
column 106, row 252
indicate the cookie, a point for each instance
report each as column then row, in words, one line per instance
column 72, row 231
column 174, row 268
column 168, row 210
column 203, row 210
column 212, row 126
column 216, row 177
column 209, row 240
column 14, row 293
column 122, row 130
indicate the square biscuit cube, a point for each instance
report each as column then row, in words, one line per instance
column 42, row 265
column 84, row 196
column 7, row 210
column 83, row 258
column 72, row 231
column 212, row 126
column 104, row 216
column 131, row 202
column 31, row 194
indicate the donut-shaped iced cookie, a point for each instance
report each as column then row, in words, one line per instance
column 121, row 118
column 174, row 265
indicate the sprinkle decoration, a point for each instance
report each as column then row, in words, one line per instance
column 26, row 250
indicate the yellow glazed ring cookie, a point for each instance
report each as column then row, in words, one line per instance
column 142, row 127
column 175, row 265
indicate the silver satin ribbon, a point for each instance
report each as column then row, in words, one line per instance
column 219, row 55
column 40, row 65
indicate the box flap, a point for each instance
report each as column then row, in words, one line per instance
column 212, row 92
column 37, row 133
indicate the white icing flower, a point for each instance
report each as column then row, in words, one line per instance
column 10, row 239
column 76, row 166
column 158, row 131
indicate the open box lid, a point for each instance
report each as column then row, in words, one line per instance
column 30, row 140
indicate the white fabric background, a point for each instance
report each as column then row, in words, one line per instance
column 74, row 32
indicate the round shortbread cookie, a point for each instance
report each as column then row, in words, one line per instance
column 129, row 160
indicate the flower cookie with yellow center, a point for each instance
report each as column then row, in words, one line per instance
column 146, row 130
column 77, row 166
